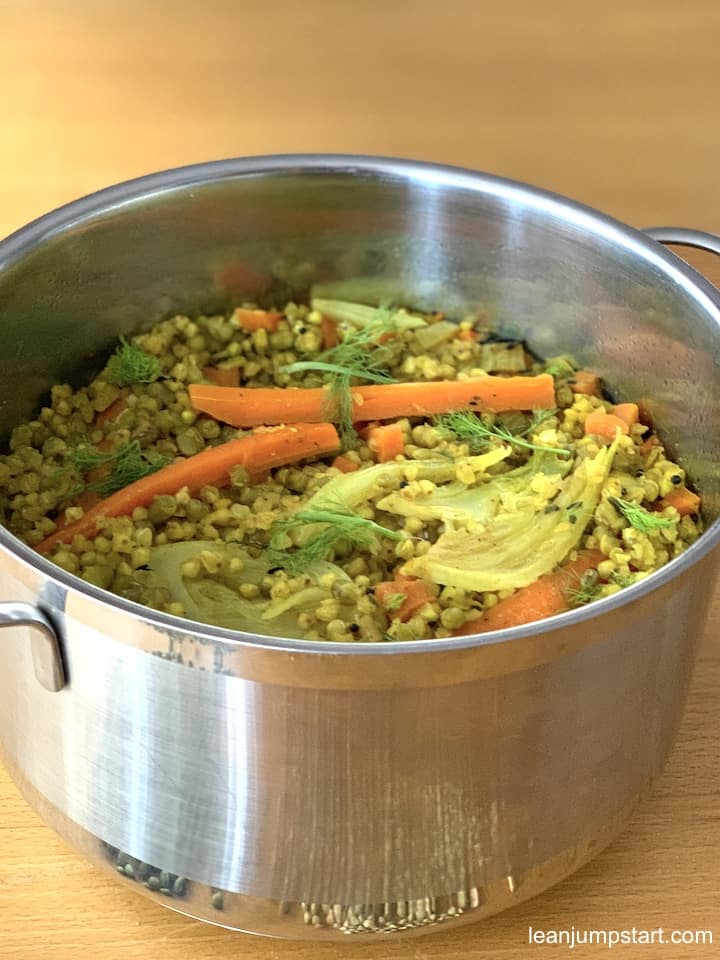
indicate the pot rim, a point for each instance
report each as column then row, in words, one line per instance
column 104, row 201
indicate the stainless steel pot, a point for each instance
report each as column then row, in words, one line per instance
column 312, row 789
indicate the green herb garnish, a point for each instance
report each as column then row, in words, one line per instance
column 537, row 418
column 129, row 364
column 358, row 357
column 339, row 526
column 587, row 590
column 560, row 367
column 622, row 580
column 471, row 429
column 129, row 464
column 86, row 457
column 394, row 601
column 640, row 518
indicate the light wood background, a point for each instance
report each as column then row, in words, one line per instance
column 617, row 108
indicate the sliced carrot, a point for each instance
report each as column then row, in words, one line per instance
column 87, row 500
column 255, row 406
column 386, row 441
column 467, row 335
column 416, row 593
column 685, row 501
column 96, row 474
column 545, row 597
column 345, row 464
column 629, row 412
column 257, row 452
column 223, row 376
column 604, row 425
column 329, row 331
column 111, row 413
column 365, row 429
column 251, row 320
column 585, row 381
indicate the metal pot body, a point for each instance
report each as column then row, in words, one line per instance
column 304, row 789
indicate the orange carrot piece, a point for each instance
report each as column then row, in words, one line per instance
column 585, row 381
column 365, row 429
column 685, row 501
column 257, row 452
column 416, row 592
column 110, row 413
column 545, row 597
column 329, row 331
column 604, row 425
column 386, row 441
column 467, row 335
column 345, row 464
column 223, row 376
column 251, row 320
column 255, row 406
column 629, row 412
column 87, row 500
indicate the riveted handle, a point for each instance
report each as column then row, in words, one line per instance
column 686, row 238
column 45, row 645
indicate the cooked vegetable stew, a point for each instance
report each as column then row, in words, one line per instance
column 344, row 472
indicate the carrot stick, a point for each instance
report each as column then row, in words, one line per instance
column 685, row 501
column 545, row 597
column 328, row 328
column 87, row 500
column 585, row 381
column 223, row 376
column 386, row 441
column 365, row 429
column 257, row 452
column 416, row 593
column 110, row 413
column 251, row 320
column 604, row 425
column 254, row 406
column 345, row 464
column 629, row 412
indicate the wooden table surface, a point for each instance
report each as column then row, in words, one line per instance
column 617, row 108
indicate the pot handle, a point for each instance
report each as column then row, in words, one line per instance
column 686, row 238
column 45, row 646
